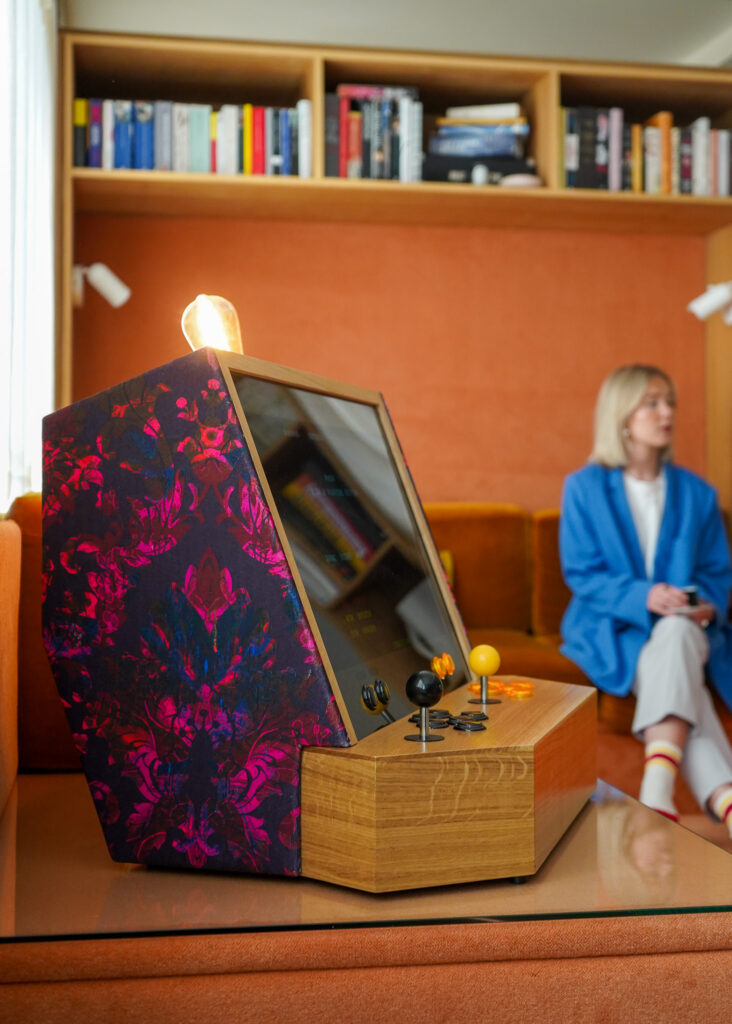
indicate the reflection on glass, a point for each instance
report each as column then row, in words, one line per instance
column 354, row 538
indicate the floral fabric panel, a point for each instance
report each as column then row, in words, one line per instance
column 178, row 641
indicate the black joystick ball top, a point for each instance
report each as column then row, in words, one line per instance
column 424, row 688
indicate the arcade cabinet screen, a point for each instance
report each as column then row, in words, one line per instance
column 355, row 540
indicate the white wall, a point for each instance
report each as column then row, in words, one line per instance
column 665, row 31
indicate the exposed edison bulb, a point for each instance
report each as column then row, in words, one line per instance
column 211, row 321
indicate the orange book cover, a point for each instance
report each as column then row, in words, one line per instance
column 636, row 150
column 664, row 120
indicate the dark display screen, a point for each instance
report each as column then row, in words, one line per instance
column 355, row 540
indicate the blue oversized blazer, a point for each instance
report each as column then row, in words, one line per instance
column 607, row 621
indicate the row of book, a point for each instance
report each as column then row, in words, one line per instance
column 193, row 137
column 373, row 131
column 603, row 150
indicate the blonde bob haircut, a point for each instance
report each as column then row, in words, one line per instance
column 620, row 395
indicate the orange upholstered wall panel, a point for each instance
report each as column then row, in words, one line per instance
column 489, row 345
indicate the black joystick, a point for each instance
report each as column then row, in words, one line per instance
column 424, row 689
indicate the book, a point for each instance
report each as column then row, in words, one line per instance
column 415, row 155
column 571, row 147
column 685, row 160
column 227, row 139
column 94, row 153
column 675, row 161
column 332, row 132
column 123, row 133
column 353, row 91
column 487, row 111
column 406, row 131
column 163, row 135
column 179, row 146
column 478, row 122
column 376, row 147
column 247, row 138
column 285, row 144
column 386, row 112
column 81, row 122
column 272, row 127
column 354, row 147
column 461, row 169
column 663, row 120
column 626, row 173
column 652, row 159
column 258, row 141
column 143, row 146
column 493, row 140
column 636, row 139
column 213, row 141
column 700, row 132
column 723, row 162
column 304, row 138
column 199, row 138
column 602, row 147
column 586, row 118
column 615, row 150
column 343, row 111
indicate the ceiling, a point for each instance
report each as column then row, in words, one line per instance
column 649, row 31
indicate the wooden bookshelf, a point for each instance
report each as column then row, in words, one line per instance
column 226, row 72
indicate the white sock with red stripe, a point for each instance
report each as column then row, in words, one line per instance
column 659, row 777
column 722, row 807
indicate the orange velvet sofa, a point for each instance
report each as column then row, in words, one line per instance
column 624, row 968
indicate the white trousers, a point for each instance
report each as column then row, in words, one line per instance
column 669, row 680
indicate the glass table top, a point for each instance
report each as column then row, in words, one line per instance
column 57, row 880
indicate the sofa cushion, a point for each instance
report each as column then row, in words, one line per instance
column 550, row 594
column 489, row 543
column 10, row 541
column 44, row 737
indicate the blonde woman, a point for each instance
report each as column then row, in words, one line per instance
column 645, row 555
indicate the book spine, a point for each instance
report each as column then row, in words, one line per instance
column 571, row 147
column 377, row 142
column 627, row 168
column 415, row 150
column 343, row 110
column 274, row 164
column 199, row 138
column 723, row 162
column 685, row 162
column 487, row 111
column 602, row 147
column 163, row 143
column 94, row 156
column 213, row 136
column 332, row 129
column 294, row 120
column 180, row 145
column 81, row 123
column 675, row 161
column 367, row 118
column 123, row 134
column 663, row 120
column 354, row 155
column 143, row 148
column 285, row 148
column 247, row 111
column 615, row 150
column 636, row 136
column 305, row 138
column 258, row 140
column 652, row 159
column 471, row 145
column 586, row 133
column 700, row 131
column 406, row 129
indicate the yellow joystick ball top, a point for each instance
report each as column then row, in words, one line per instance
column 484, row 660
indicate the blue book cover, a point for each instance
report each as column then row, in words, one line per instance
column 285, row 142
column 123, row 133
column 95, row 133
column 143, row 147
column 163, row 135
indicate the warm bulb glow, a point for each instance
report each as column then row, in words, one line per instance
column 210, row 321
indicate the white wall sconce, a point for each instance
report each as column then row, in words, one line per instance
column 103, row 280
column 717, row 298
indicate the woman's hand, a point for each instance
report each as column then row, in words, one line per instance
column 663, row 599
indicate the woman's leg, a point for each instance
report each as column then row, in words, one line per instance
column 669, row 685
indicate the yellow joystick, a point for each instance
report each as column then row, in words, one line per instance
column 484, row 661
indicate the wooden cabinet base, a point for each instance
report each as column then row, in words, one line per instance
column 388, row 814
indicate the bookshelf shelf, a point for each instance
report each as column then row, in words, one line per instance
column 157, row 193
column 217, row 72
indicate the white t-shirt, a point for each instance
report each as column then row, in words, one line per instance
column 646, row 499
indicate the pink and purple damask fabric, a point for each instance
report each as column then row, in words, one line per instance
column 178, row 641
